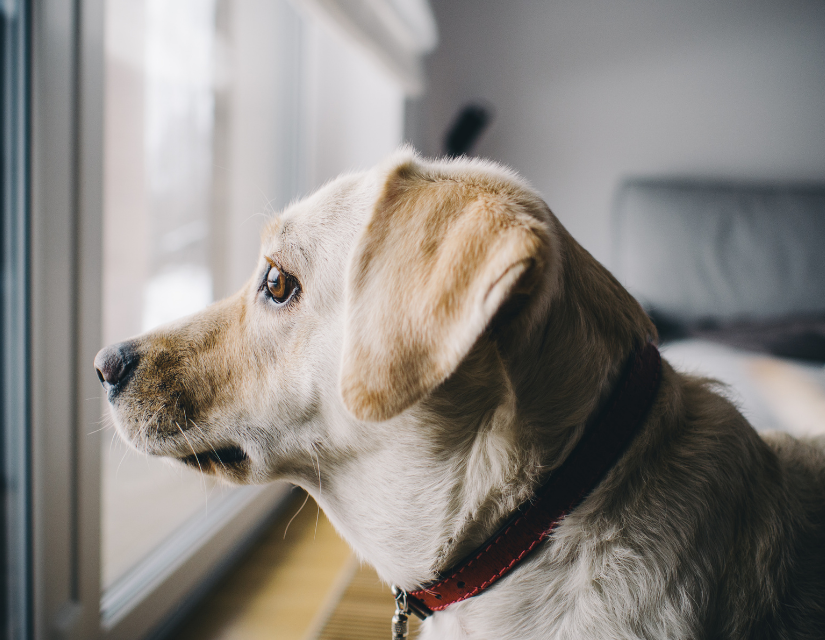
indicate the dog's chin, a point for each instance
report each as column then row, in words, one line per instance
column 229, row 463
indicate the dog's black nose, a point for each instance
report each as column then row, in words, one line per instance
column 114, row 363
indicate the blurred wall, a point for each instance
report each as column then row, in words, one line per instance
column 355, row 109
column 587, row 92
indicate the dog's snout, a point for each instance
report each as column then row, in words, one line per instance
column 114, row 363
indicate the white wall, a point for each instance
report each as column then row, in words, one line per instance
column 355, row 109
column 590, row 91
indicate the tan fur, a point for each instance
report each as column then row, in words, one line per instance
column 430, row 269
column 448, row 343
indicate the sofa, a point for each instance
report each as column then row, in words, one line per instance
column 733, row 275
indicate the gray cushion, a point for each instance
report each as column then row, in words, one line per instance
column 692, row 251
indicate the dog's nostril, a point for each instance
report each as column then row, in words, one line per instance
column 109, row 364
column 114, row 362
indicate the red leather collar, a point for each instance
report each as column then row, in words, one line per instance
column 604, row 441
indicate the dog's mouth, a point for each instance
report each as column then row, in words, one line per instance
column 215, row 459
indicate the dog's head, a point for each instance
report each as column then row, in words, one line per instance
column 414, row 289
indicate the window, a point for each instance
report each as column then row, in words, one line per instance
column 162, row 136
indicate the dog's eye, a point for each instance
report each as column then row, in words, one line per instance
column 280, row 286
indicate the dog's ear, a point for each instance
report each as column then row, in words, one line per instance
column 437, row 259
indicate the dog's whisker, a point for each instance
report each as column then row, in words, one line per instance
column 103, row 428
column 117, row 472
column 267, row 206
column 203, row 481
column 146, row 453
column 320, row 491
column 211, row 446
column 301, row 508
column 316, row 465
column 143, row 430
column 107, row 423
column 262, row 214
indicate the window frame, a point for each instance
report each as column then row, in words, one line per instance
column 15, row 583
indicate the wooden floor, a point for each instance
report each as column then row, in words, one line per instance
column 363, row 611
column 283, row 587
column 305, row 586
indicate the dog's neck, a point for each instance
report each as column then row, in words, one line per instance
column 436, row 481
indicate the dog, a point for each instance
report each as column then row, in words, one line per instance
column 421, row 346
